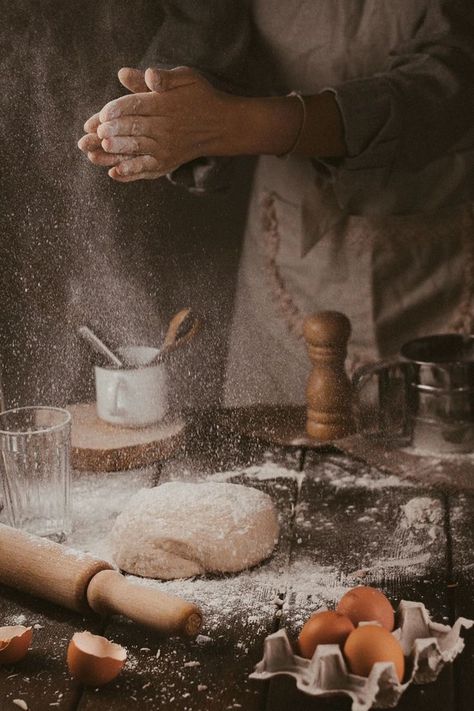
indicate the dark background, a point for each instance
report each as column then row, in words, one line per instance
column 75, row 247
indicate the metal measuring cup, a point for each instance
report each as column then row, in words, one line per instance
column 441, row 392
column 425, row 399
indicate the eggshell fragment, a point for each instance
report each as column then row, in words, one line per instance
column 14, row 643
column 326, row 627
column 366, row 604
column 93, row 660
column 369, row 644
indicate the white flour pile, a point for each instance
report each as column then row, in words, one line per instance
column 296, row 587
column 412, row 547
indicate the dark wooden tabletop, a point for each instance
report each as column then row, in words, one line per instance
column 343, row 523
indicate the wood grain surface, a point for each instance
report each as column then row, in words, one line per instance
column 344, row 522
column 99, row 446
column 349, row 530
column 211, row 673
column 461, row 529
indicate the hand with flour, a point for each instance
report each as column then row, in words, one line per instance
column 172, row 117
column 91, row 144
column 176, row 115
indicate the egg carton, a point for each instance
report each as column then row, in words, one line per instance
column 427, row 645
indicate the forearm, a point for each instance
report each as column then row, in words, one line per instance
column 255, row 126
column 183, row 117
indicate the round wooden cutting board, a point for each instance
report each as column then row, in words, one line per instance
column 99, row 446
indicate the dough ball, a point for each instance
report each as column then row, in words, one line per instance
column 182, row 529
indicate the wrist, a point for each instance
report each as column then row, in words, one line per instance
column 276, row 125
column 258, row 126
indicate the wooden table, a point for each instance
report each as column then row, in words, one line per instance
column 342, row 523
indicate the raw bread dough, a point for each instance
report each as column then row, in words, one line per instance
column 182, row 529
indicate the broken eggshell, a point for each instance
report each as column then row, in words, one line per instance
column 427, row 644
column 94, row 660
column 15, row 641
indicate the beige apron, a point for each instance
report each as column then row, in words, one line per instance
column 395, row 277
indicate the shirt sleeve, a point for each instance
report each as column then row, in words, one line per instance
column 211, row 36
column 214, row 38
column 409, row 129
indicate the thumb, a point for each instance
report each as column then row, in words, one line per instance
column 161, row 80
column 133, row 79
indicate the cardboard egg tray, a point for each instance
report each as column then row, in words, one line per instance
column 427, row 647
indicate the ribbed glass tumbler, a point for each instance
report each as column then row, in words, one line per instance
column 34, row 469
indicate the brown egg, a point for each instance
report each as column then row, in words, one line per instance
column 93, row 660
column 326, row 627
column 14, row 643
column 369, row 644
column 364, row 604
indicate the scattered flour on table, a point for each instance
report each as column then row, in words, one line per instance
column 422, row 512
column 263, row 472
column 238, row 607
column 97, row 499
column 412, row 546
column 341, row 474
column 238, row 602
column 437, row 459
column 246, row 597
column 453, row 470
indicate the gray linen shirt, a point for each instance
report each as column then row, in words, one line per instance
column 409, row 127
column 383, row 235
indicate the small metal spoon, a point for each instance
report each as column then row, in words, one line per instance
column 99, row 346
column 182, row 328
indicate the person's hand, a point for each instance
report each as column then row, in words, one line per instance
column 176, row 116
column 90, row 144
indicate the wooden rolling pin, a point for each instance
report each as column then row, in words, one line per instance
column 82, row 583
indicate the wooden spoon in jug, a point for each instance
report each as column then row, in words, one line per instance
column 182, row 328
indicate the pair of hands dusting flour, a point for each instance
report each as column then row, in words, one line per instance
column 180, row 529
column 172, row 117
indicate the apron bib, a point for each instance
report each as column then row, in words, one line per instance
column 395, row 277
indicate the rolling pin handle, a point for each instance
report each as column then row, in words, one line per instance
column 109, row 592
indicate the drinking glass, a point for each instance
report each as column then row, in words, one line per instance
column 34, row 470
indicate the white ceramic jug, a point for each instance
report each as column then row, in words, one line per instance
column 135, row 396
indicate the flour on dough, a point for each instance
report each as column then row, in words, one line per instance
column 182, row 529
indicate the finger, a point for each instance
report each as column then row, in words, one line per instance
column 143, row 104
column 129, row 144
column 137, row 165
column 128, row 126
column 89, row 142
column 106, row 159
column 133, row 79
column 137, row 176
column 92, row 123
column 161, row 80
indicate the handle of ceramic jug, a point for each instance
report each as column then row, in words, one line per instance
column 117, row 406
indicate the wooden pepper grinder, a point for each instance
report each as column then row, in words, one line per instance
column 329, row 392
